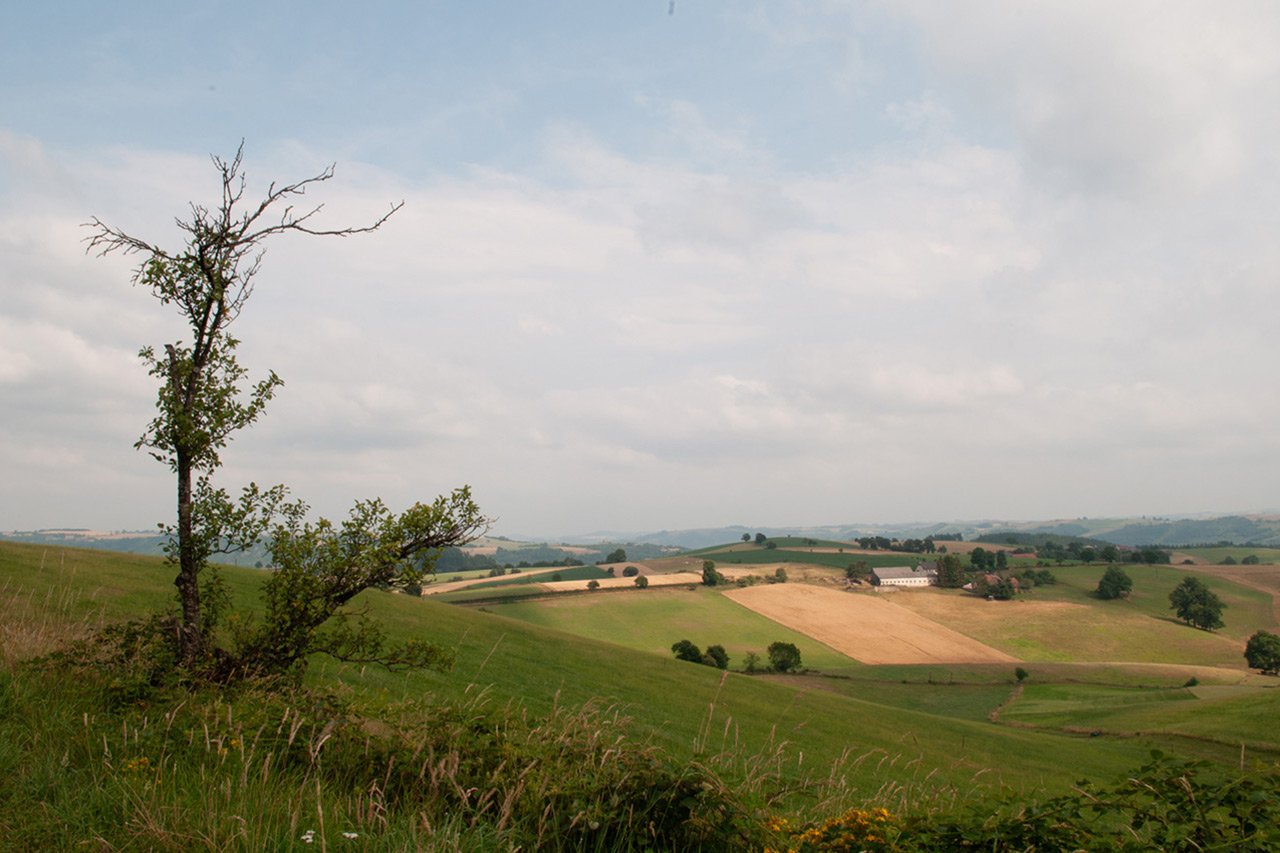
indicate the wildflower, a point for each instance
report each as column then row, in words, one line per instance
column 308, row 836
column 350, row 835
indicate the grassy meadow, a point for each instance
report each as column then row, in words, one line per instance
column 559, row 680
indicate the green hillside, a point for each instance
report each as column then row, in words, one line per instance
column 832, row 745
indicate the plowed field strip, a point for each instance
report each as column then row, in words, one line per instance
column 864, row 627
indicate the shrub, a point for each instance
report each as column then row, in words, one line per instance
column 593, row 584
column 784, row 657
column 780, row 576
column 1251, row 560
column 716, row 656
column 642, row 581
column 686, row 650
column 630, row 572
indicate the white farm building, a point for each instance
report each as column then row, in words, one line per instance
column 924, row 574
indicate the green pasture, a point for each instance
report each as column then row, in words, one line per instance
column 1266, row 556
column 1247, row 609
column 652, row 620
column 568, row 573
column 1230, row 715
column 959, row 701
column 687, row 708
column 754, row 554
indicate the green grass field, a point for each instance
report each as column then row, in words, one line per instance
column 871, row 737
column 678, row 705
column 653, row 620
column 1266, row 556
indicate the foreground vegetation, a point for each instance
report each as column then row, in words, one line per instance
column 535, row 740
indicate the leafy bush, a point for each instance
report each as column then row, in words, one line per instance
column 783, row 657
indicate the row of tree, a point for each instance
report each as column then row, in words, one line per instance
column 783, row 657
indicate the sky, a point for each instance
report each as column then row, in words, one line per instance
column 665, row 265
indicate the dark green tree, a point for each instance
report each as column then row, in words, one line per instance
column 746, row 537
column 1088, row 555
column 1196, row 605
column 1263, row 652
column 784, row 657
column 1115, row 583
column 780, row 575
column 760, row 538
column 710, row 577
column 951, row 574
column 616, row 556
column 716, row 656
column 1251, row 560
column 857, row 570
column 641, row 581
column 593, row 584
column 685, row 650
column 1110, row 554
column 630, row 572
column 980, row 559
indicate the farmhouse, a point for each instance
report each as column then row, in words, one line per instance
column 921, row 575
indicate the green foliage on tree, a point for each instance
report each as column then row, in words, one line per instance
column 630, row 572
column 710, row 577
column 780, row 575
column 203, row 399
column 783, row 657
column 857, row 570
column 1251, row 560
column 1196, row 605
column 760, row 538
column 1263, row 652
column 716, row 656
column 1110, row 554
column 751, row 662
column 746, row 537
column 1228, row 560
column 981, row 559
column 642, row 581
column 951, row 574
column 616, row 556
column 1115, row 583
column 686, row 650
column 593, row 584
column 1021, row 674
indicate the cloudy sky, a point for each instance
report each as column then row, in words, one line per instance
column 666, row 266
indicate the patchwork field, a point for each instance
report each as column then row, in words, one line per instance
column 1035, row 630
column 865, row 627
column 651, row 621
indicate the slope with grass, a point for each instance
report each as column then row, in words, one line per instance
column 685, row 708
column 653, row 620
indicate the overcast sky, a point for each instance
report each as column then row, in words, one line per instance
column 666, row 266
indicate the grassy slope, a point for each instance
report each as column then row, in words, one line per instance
column 1141, row 629
column 653, row 620
column 682, row 706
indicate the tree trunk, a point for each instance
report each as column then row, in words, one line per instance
column 190, row 633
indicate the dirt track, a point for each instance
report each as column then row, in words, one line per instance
column 866, row 627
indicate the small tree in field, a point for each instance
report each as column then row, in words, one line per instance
column 203, row 400
column 641, row 581
column 1262, row 652
column 1115, row 583
column 783, row 657
column 716, row 656
column 686, row 650
column 1196, row 605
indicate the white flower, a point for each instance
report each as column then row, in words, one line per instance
column 350, row 835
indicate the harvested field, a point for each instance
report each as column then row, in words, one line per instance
column 865, row 627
